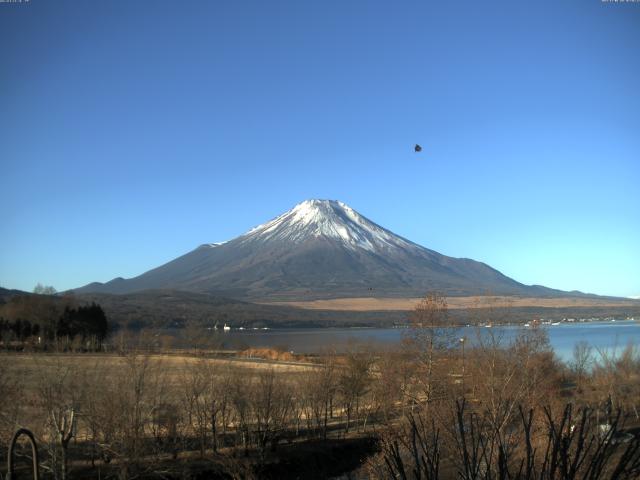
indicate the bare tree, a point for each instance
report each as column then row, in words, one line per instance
column 40, row 289
column 60, row 395
column 390, row 383
column 557, row 446
column 11, row 406
column 319, row 389
column 615, row 379
column 413, row 451
column 240, row 390
column 354, row 380
column 428, row 339
column 582, row 360
column 206, row 399
column 270, row 406
column 138, row 388
column 505, row 374
column 195, row 396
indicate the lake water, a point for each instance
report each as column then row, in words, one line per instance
column 609, row 336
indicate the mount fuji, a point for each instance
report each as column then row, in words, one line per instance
column 320, row 249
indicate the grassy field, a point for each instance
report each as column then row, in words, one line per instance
column 104, row 387
column 29, row 367
column 32, row 371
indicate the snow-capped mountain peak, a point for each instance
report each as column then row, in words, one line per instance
column 319, row 249
column 330, row 219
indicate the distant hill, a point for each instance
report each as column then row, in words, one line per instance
column 171, row 309
column 174, row 309
column 321, row 249
column 6, row 294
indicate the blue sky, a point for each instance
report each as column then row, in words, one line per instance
column 131, row 132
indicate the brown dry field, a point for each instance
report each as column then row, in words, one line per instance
column 30, row 367
column 364, row 304
column 33, row 371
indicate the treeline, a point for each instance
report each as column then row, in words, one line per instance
column 19, row 329
column 50, row 322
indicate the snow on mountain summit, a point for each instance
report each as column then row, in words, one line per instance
column 318, row 249
column 330, row 219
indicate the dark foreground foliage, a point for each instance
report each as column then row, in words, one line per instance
column 535, row 446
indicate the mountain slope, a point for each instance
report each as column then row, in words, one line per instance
column 320, row 249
